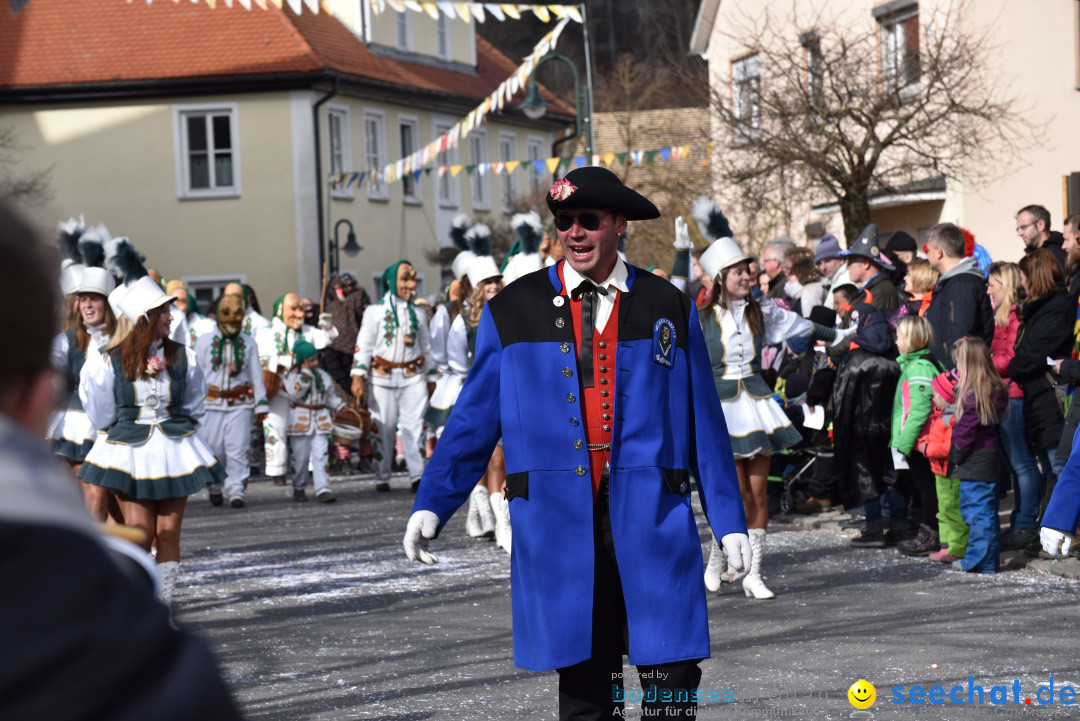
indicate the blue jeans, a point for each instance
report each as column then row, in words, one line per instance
column 979, row 509
column 897, row 509
column 1027, row 486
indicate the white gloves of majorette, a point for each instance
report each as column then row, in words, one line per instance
column 1056, row 543
column 682, row 235
column 739, row 554
column 843, row 336
column 422, row 527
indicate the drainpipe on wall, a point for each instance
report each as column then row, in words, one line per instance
column 318, row 176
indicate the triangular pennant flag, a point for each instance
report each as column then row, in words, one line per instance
column 483, row 168
column 495, row 10
column 446, row 8
column 211, row 4
column 427, row 171
column 650, row 155
column 415, row 6
column 510, row 10
column 397, row 5
column 579, row 161
column 433, row 10
column 541, row 12
column 470, row 169
column 621, row 157
column 637, row 156
column 609, row 158
column 246, row 4
column 686, row 151
column 462, row 11
column 553, row 164
column 538, row 166
column 416, row 174
column 294, row 5
column 665, row 153
column 567, row 162
column 441, row 170
column 558, row 11
column 573, row 13
column 261, row 4
column 478, row 12
column 512, row 165
column 596, row 160
column 313, row 6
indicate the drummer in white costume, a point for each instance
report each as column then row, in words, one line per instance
column 735, row 327
column 149, row 392
column 235, row 395
column 72, row 433
column 276, row 355
column 393, row 347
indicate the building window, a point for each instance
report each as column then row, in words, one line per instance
column 375, row 153
column 337, row 119
column 481, row 199
column 534, row 147
column 207, row 151
column 446, row 184
column 208, row 288
column 508, row 152
column 811, row 44
column 404, row 31
column 408, row 132
column 746, row 82
column 442, row 37
column 899, row 47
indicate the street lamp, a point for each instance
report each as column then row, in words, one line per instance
column 351, row 247
column 534, row 106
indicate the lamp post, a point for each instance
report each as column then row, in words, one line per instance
column 351, row 247
column 534, row 106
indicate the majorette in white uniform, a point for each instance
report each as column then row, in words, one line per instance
column 530, row 232
column 393, row 351
column 313, row 403
column 276, row 356
column 235, row 394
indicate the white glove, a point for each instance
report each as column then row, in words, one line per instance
column 682, row 235
column 1054, row 542
column 324, row 321
column 739, row 554
column 284, row 363
column 422, row 527
column 844, row 336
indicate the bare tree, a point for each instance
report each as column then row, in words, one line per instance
column 18, row 184
column 845, row 112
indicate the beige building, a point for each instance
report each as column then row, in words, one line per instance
column 1033, row 54
column 194, row 132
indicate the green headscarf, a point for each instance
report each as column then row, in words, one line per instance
column 388, row 281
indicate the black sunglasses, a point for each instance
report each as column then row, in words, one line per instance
column 588, row 221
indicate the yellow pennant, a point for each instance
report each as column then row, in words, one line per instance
column 512, row 165
column 431, row 9
column 558, row 11
column 454, row 170
column 277, row 3
column 462, row 10
column 510, row 10
column 552, row 164
column 541, row 12
column 414, row 6
column 573, row 13
column 609, row 158
column 211, row 4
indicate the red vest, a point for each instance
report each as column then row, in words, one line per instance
column 598, row 402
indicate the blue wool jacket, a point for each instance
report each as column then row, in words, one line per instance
column 668, row 422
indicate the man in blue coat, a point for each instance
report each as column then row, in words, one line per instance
column 596, row 376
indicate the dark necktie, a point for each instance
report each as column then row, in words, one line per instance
column 587, row 293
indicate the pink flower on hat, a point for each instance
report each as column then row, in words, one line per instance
column 562, row 189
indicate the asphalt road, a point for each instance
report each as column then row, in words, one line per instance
column 314, row 613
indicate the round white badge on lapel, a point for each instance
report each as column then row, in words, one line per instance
column 559, row 300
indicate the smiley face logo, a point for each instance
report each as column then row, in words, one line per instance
column 862, row 694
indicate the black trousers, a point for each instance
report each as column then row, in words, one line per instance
column 922, row 477
column 593, row 689
column 339, row 366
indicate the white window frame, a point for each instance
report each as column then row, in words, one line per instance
column 447, row 188
column 375, row 156
column 341, row 113
column 538, row 145
column 181, row 155
column 410, row 187
column 746, row 94
column 479, row 185
column 443, row 38
column 507, row 152
column 214, row 283
column 894, row 60
column 403, row 31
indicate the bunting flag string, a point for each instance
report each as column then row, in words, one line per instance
column 668, row 154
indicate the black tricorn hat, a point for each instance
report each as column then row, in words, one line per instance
column 867, row 246
column 597, row 187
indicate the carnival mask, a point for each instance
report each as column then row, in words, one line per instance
column 230, row 314
column 292, row 312
column 406, row 281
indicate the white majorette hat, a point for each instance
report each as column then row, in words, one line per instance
column 95, row 278
column 140, row 293
column 458, row 229
column 723, row 251
column 71, row 266
column 530, row 231
column 482, row 266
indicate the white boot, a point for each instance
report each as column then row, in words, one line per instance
column 472, row 519
column 168, row 571
column 752, row 584
column 488, row 522
column 501, row 508
column 715, row 567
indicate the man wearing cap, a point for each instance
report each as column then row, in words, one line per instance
column 903, row 246
column 596, row 376
column 869, row 270
column 829, row 262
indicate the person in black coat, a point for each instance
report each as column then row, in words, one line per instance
column 959, row 306
column 865, row 384
column 1046, row 323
